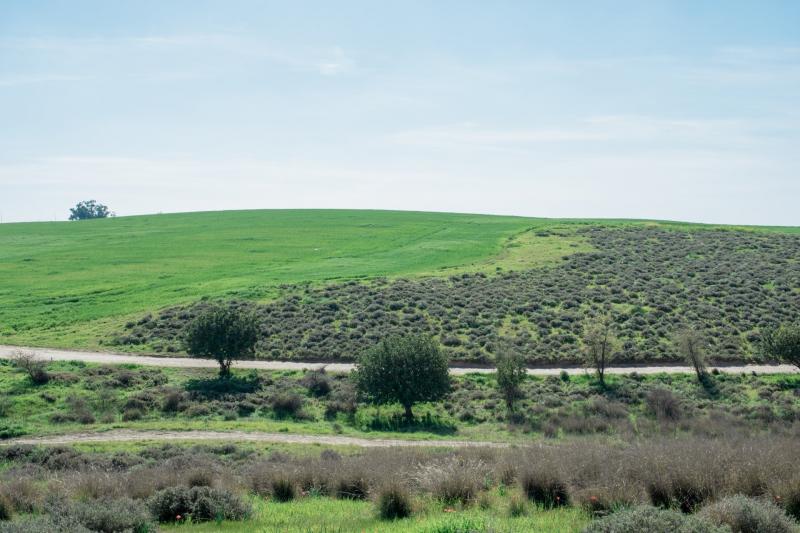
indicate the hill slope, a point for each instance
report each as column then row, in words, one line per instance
column 65, row 283
column 476, row 282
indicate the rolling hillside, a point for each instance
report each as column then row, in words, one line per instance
column 474, row 281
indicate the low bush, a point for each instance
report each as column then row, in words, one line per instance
column 287, row 405
column 544, row 488
column 282, row 488
column 104, row 516
column 200, row 503
column 789, row 497
column 663, row 404
column 748, row 515
column 684, row 492
column 652, row 520
column 457, row 486
column 394, row 502
column 6, row 508
column 317, row 383
column 23, row 495
column 352, row 486
column 35, row 368
column 43, row 524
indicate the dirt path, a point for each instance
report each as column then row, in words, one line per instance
column 128, row 435
column 188, row 362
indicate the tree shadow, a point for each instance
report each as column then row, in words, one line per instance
column 398, row 423
column 709, row 385
column 218, row 386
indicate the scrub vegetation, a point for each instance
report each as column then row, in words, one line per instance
column 651, row 282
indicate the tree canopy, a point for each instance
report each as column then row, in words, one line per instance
column 224, row 334
column 405, row 370
column 89, row 209
column 783, row 343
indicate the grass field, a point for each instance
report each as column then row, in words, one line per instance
column 326, row 515
column 75, row 284
column 65, row 282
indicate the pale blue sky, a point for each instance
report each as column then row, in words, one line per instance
column 671, row 110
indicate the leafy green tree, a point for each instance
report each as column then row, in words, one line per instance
column 405, row 370
column 783, row 343
column 600, row 346
column 224, row 334
column 511, row 373
column 89, row 209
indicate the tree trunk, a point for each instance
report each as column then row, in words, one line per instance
column 409, row 413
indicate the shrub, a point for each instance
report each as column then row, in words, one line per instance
column 317, row 383
column 282, row 488
column 684, row 492
column 287, row 405
column 790, row 498
column 544, row 488
column 748, row 515
column 23, row 495
column 6, row 508
column 652, row 520
column 200, row 477
column 201, row 503
column 35, row 368
column 43, row 524
column 352, row 486
column 457, row 486
column 394, row 502
column 131, row 415
column 106, row 515
column 663, row 404
column 197, row 410
column 172, row 402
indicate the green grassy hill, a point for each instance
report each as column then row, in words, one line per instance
column 63, row 283
column 472, row 279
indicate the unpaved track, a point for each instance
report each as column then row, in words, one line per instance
column 189, row 362
column 128, row 435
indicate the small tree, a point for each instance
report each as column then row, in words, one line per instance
column 783, row 343
column 406, row 370
column 600, row 346
column 89, row 209
column 691, row 345
column 511, row 373
column 224, row 334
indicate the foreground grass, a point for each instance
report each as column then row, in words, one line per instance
column 317, row 515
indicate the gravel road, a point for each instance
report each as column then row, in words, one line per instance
column 188, row 362
column 128, row 435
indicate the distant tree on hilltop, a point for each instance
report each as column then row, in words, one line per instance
column 89, row 209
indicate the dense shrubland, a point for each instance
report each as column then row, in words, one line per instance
column 653, row 281
column 170, row 483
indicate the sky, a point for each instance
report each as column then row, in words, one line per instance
column 682, row 110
